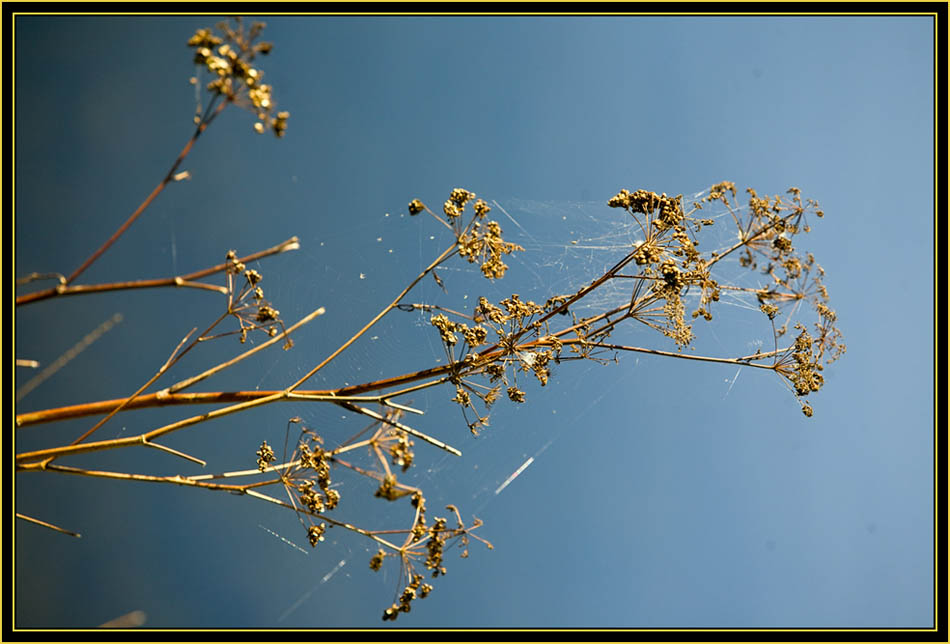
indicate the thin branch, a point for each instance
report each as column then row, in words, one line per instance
column 669, row 354
column 340, row 524
column 254, row 472
column 184, row 384
column 85, row 289
column 325, row 395
column 398, row 425
column 116, row 443
column 180, row 480
column 32, row 277
column 169, row 177
column 48, row 525
column 445, row 254
column 175, row 452
column 162, row 369
column 180, row 281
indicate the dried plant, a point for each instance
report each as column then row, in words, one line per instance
column 489, row 350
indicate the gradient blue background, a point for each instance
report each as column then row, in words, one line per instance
column 663, row 492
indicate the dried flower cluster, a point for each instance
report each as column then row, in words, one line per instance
column 669, row 268
column 306, row 476
column 265, row 456
column 229, row 59
column 490, row 352
column 248, row 306
column 478, row 242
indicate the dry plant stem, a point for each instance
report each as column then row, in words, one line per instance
column 190, row 482
column 163, row 369
column 160, row 399
column 176, row 479
column 184, row 384
column 254, row 472
column 117, row 443
column 48, row 525
column 745, row 241
column 340, row 524
column 85, row 289
column 610, row 274
column 32, row 277
column 174, row 452
column 351, row 446
column 181, row 281
column 202, row 126
column 155, row 400
column 619, row 347
column 142, row 402
column 445, row 255
column 175, row 356
column 398, row 425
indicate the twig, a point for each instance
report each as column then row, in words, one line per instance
column 398, row 425
column 116, row 443
column 178, row 386
column 181, row 281
column 670, row 354
column 162, row 369
column 163, row 448
column 445, row 254
column 47, row 525
column 202, row 126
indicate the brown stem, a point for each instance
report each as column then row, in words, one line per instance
column 448, row 251
column 84, row 289
column 130, row 399
column 191, row 482
column 206, row 398
column 181, row 281
column 670, row 354
column 117, row 443
column 47, row 525
column 148, row 200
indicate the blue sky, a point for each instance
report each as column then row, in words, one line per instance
column 661, row 492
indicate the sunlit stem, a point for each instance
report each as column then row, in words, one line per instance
column 340, row 524
column 48, row 525
column 398, row 425
column 175, row 452
column 168, row 363
column 117, row 443
column 148, row 200
column 445, row 254
column 178, row 386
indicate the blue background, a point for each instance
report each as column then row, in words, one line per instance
column 662, row 492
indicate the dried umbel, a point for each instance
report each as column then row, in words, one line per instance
column 247, row 304
column 494, row 351
column 669, row 268
column 307, row 477
column 230, row 60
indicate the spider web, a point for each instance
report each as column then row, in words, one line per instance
column 566, row 246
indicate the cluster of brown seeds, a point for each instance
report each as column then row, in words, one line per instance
column 248, row 305
column 229, row 59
